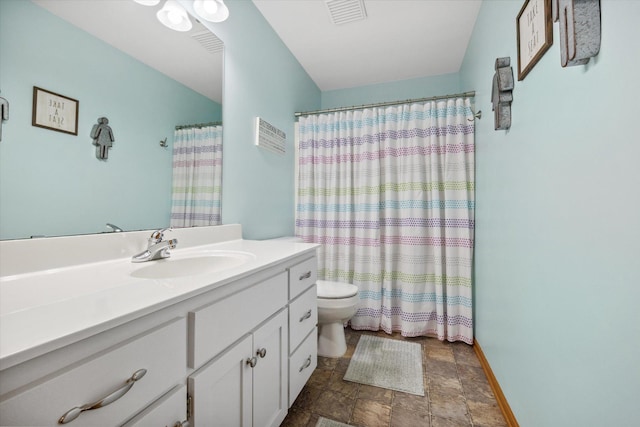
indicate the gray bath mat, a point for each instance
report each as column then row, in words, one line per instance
column 324, row 422
column 387, row 363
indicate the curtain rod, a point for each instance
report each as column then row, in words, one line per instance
column 385, row 104
column 198, row 125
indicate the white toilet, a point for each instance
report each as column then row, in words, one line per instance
column 337, row 303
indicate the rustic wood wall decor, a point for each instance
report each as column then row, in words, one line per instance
column 502, row 93
column 534, row 34
column 579, row 30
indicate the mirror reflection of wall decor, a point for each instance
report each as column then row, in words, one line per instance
column 502, row 93
column 534, row 34
column 4, row 113
column 102, row 136
column 112, row 77
column 54, row 111
column 579, row 31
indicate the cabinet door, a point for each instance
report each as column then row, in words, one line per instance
column 270, row 383
column 221, row 389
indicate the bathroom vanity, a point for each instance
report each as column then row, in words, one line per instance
column 222, row 333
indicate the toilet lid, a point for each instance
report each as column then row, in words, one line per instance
column 335, row 290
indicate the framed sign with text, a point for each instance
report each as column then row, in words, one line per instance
column 534, row 33
column 54, row 111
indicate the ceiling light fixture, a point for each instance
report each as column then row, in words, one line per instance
column 174, row 16
column 147, row 2
column 211, row 10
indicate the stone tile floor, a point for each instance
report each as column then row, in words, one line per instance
column 456, row 392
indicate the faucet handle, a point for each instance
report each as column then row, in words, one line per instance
column 158, row 235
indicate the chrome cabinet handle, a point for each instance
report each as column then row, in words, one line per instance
column 305, row 275
column 307, row 363
column 305, row 316
column 262, row 352
column 253, row 361
column 74, row 413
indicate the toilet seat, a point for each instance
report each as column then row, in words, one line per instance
column 335, row 290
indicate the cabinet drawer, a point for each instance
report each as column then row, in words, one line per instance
column 303, row 317
column 161, row 351
column 215, row 327
column 301, row 276
column 302, row 363
column 166, row 411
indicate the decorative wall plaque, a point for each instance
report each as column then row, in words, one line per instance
column 269, row 137
column 502, row 93
column 102, row 136
column 579, row 31
column 54, row 111
column 534, row 32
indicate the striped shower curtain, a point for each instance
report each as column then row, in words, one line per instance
column 197, row 176
column 389, row 194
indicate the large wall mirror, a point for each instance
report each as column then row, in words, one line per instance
column 118, row 61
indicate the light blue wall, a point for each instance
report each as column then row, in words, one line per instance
column 51, row 183
column 558, row 225
column 262, row 78
column 393, row 91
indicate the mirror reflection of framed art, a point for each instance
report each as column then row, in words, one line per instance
column 54, row 111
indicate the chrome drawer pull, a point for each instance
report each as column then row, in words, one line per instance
column 252, row 362
column 305, row 316
column 305, row 275
column 262, row 352
column 73, row 413
column 307, row 363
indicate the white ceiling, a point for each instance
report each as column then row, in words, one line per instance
column 135, row 30
column 398, row 39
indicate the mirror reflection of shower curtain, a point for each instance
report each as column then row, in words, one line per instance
column 389, row 194
column 197, row 177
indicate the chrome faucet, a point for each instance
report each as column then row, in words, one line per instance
column 114, row 228
column 157, row 248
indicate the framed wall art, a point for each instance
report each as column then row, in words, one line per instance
column 534, row 32
column 54, row 111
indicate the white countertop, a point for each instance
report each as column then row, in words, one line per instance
column 45, row 310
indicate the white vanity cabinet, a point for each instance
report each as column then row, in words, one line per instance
column 232, row 354
column 246, row 385
column 253, row 382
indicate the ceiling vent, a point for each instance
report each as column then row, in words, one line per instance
column 343, row 11
column 209, row 41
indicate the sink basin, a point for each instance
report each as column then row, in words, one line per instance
column 182, row 266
